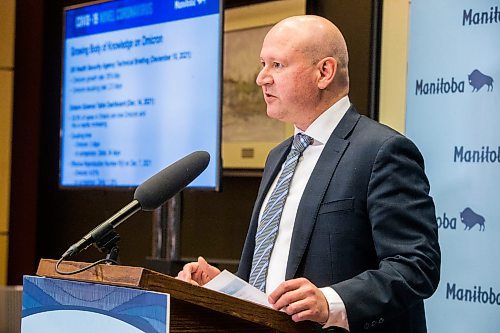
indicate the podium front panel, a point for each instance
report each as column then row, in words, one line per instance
column 55, row 305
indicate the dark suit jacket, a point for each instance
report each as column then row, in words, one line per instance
column 365, row 226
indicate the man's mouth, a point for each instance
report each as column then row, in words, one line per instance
column 268, row 95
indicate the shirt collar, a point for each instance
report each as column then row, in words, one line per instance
column 322, row 128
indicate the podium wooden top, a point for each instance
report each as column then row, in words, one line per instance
column 138, row 277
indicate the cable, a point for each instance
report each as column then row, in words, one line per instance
column 102, row 261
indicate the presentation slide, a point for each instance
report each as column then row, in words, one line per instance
column 141, row 89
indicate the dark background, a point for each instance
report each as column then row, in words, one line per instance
column 45, row 220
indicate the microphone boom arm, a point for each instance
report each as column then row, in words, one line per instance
column 103, row 229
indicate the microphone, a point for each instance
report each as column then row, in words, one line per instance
column 150, row 195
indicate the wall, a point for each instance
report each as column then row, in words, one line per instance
column 7, row 15
column 393, row 69
column 25, row 148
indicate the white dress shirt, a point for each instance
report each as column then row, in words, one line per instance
column 320, row 130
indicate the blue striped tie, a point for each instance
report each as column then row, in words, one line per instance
column 269, row 223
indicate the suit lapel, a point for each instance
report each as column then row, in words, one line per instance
column 316, row 189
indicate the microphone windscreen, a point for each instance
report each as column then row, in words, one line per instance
column 155, row 191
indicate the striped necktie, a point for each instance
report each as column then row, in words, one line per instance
column 269, row 223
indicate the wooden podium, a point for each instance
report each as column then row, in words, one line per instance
column 192, row 309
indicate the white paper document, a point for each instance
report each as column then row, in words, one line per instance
column 229, row 284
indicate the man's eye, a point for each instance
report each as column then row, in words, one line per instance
column 277, row 65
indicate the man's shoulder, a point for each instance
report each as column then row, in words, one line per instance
column 357, row 127
column 375, row 127
column 369, row 135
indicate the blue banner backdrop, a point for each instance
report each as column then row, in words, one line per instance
column 453, row 115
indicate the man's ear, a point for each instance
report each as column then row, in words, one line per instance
column 327, row 69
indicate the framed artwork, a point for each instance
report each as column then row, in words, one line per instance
column 248, row 134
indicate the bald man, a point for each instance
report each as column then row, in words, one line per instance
column 356, row 246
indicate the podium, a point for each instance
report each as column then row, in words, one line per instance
column 192, row 308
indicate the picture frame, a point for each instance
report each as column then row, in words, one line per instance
column 248, row 134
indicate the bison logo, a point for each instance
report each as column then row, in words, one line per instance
column 470, row 219
column 477, row 80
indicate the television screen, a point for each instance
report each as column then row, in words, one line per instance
column 141, row 89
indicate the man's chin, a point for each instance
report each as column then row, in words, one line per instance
column 274, row 113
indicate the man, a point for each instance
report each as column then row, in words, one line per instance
column 356, row 246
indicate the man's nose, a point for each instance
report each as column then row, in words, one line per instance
column 263, row 77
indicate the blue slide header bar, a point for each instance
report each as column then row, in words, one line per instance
column 125, row 14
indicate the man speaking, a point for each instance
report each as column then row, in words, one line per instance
column 343, row 231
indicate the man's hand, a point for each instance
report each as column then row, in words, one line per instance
column 300, row 299
column 198, row 272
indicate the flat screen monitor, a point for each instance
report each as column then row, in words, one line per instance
column 141, row 89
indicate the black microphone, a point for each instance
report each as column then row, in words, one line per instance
column 150, row 195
